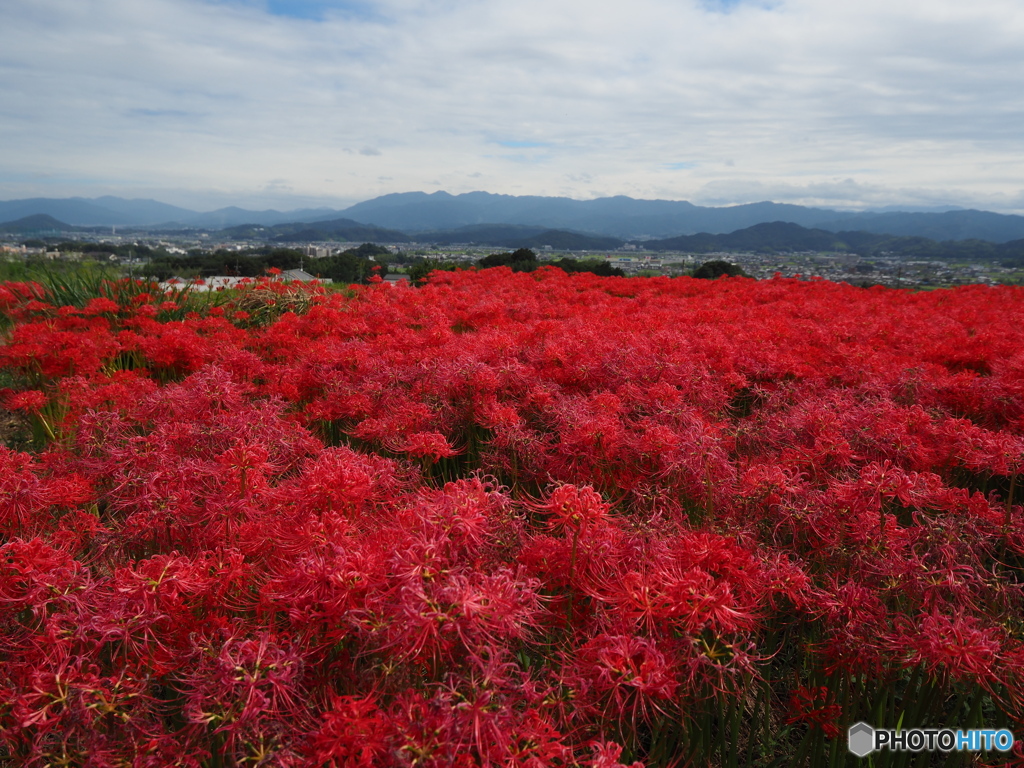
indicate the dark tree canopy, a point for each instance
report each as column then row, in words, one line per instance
column 522, row 260
column 525, row 260
column 345, row 267
column 422, row 267
column 711, row 270
column 369, row 251
column 599, row 267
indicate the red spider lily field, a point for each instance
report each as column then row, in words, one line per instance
column 509, row 520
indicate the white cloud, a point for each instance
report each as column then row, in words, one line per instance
column 868, row 103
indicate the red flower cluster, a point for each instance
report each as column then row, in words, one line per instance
column 507, row 519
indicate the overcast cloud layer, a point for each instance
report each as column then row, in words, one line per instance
column 212, row 102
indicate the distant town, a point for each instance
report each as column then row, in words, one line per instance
column 633, row 260
column 404, row 235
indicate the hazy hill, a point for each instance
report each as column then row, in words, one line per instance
column 621, row 217
column 345, row 230
column 139, row 212
column 495, row 235
column 627, row 218
column 783, row 237
column 119, row 212
column 75, row 211
column 948, row 225
column 233, row 217
column 39, row 223
column 518, row 236
column 770, row 237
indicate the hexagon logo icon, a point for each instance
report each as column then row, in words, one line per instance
column 861, row 739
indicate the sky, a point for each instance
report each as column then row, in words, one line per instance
column 282, row 104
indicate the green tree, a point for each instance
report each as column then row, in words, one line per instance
column 370, row 251
column 711, row 270
column 345, row 267
column 522, row 260
column 599, row 267
column 420, row 269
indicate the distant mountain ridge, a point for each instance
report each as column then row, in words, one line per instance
column 519, row 236
column 342, row 229
column 623, row 218
column 784, row 237
column 119, row 212
column 496, row 235
column 630, row 219
column 768, row 237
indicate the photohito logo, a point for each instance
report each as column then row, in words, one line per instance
column 862, row 740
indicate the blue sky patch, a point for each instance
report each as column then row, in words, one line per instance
column 511, row 144
column 679, row 166
column 314, row 10
column 722, row 6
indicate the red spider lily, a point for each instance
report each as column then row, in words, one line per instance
column 429, row 445
column 607, row 754
column 810, row 705
column 956, row 646
column 574, row 510
column 70, row 711
column 36, row 577
column 234, row 547
column 622, row 678
column 17, row 298
column 247, row 689
column 250, row 462
column 30, row 401
column 439, row 611
column 101, row 306
column 353, row 734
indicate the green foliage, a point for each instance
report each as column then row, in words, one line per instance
column 66, row 283
column 14, row 270
column 348, row 268
column 122, row 250
column 599, row 267
column 525, row 260
column 75, row 284
column 711, row 270
column 522, row 260
column 420, row 269
column 351, row 266
column 198, row 263
column 369, row 251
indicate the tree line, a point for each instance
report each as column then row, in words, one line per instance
column 354, row 265
column 520, row 260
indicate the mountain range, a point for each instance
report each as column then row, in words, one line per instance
column 424, row 215
column 119, row 212
column 769, row 237
column 784, row 237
